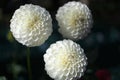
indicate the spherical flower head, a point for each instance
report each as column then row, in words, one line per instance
column 65, row 60
column 74, row 19
column 31, row 25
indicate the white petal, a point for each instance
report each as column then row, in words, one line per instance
column 67, row 62
column 74, row 19
column 31, row 25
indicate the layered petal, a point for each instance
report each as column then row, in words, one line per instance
column 65, row 60
column 31, row 25
column 74, row 19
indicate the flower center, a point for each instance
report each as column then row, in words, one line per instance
column 66, row 60
column 31, row 21
column 76, row 19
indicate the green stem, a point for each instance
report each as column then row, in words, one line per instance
column 28, row 64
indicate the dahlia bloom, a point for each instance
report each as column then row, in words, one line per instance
column 65, row 60
column 31, row 25
column 74, row 19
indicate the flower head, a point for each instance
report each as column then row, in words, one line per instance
column 74, row 19
column 65, row 60
column 31, row 25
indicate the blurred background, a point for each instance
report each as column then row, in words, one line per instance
column 101, row 46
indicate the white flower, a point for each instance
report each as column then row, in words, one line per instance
column 74, row 19
column 65, row 60
column 31, row 25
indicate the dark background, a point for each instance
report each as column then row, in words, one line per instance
column 102, row 45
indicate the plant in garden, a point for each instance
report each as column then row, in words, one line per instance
column 31, row 25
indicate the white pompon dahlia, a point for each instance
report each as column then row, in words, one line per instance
column 31, row 25
column 74, row 19
column 65, row 60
